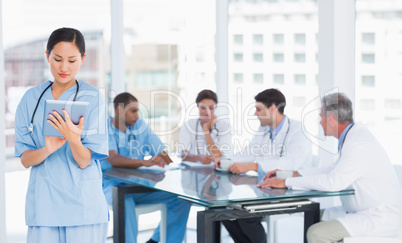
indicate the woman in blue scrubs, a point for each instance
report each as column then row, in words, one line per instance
column 64, row 202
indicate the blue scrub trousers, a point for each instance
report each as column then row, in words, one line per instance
column 177, row 215
column 177, row 212
column 93, row 233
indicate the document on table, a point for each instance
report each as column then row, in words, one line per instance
column 171, row 166
column 197, row 164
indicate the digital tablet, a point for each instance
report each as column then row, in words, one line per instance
column 75, row 109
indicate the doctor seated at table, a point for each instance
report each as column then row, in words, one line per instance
column 279, row 142
column 207, row 137
column 130, row 140
column 363, row 165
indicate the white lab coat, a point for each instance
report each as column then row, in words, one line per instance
column 296, row 153
column 363, row 165
column 192, row 137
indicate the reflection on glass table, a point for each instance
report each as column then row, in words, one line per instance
column 222, row 194
column 211, row 188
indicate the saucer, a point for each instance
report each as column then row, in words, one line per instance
column 221, row 170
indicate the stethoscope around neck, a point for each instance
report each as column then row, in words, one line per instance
column 30, row 129
column 196, row 134
column 284, row 140
column 128, row 140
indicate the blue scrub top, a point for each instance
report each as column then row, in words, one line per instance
column 59, row 192
column 138, row 141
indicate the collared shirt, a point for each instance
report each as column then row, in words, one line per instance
column 343, row 134
column 275, row 131
column 290, row 150
column 375, row 208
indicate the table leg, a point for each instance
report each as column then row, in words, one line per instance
column 208, row 230
column 208, row 221
column 119, row 223
column 118, row 216
column 311, row 217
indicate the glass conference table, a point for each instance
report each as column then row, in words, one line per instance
column 225, row 196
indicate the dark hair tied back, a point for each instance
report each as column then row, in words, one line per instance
column 66, row 35
column 206, row 94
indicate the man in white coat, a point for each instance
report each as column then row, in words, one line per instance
column 279, row 143
column 363, row 165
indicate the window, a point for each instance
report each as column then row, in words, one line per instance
column 199, row 77
column 238, row 57
column 368, row 38
column 368, row 81
column 278, row 78
column 378, row 41
column 154, row 79
column 300, row 79
column 200, row 56
column 278, row 39
column 258, row 39
column 278, row 57
column 238, row 39
column 300, row 57
column 392, row 104
column 367, row 104
column 268, row 28
column 238, row 77
column 299, row 101
column 258, row 57
column 368, row 58
column 258, row 78
column 300, row 39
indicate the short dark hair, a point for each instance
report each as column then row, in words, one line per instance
column 272, row 97
column 206, row 94
column 66, row 35
column 123, row 99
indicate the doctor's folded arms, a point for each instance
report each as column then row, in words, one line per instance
column 279, row 143
column 64, row 202
column 363, row 165
column 130, row 141
column 208, row 136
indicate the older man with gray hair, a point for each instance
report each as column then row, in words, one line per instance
column 363, row 165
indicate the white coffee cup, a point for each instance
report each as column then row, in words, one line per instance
column 226, row 163
column 283, row 174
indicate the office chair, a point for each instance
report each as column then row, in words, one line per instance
column 119, row 193
column 149, row 208
column 144, row 209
